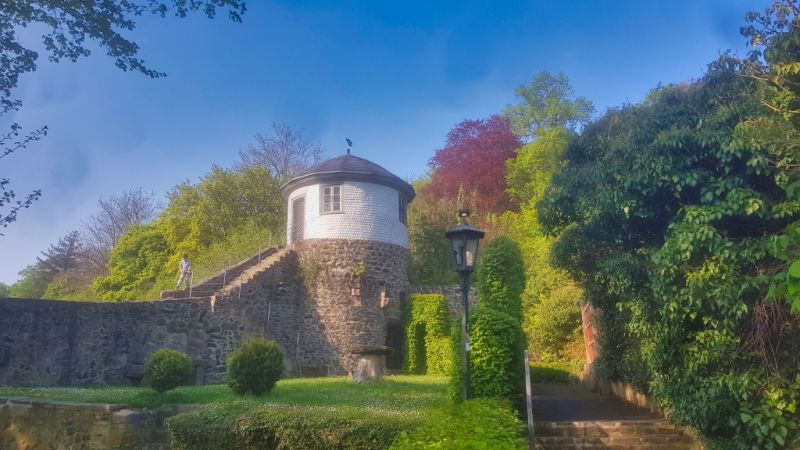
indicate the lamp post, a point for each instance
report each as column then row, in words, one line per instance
column 464, row 242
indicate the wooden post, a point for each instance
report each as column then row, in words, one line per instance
column 529, row 399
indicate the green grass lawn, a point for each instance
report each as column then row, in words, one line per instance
column 317, row 413
column 395, row 394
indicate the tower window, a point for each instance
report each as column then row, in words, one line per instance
column 331, row 198
column 403, row 206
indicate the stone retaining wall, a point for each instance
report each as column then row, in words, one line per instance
column 64, row 343
column 319, row 302
column 27, row 423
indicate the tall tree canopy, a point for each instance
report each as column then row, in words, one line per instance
column 666, row 218
column 547, row 103
column 102, row 230
column 473, row 159
column 284, row 151
column 547, row 114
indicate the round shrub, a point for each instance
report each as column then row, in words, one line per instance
column 255, row 367
column 496, row 354
column 501, row 277
column 167, row 369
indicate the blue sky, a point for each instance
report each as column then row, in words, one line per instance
column 392, row 76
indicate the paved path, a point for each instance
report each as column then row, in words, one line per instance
column 573, row 402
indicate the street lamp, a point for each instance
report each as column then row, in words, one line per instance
column 464, row 242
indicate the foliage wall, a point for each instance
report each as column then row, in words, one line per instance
column 666, row 214
column 428, row 345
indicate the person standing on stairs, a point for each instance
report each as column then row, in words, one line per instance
column 186, row 272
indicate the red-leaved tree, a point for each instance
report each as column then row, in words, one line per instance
column 475, row 157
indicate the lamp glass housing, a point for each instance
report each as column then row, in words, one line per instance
column 464, row 240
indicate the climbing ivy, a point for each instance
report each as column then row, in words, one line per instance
column 428, row 345
column 501, row 277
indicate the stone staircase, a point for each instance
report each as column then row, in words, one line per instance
column 650, row 434
column 568, row 416
column 226, row 282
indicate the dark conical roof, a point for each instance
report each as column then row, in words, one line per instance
column 348, row 168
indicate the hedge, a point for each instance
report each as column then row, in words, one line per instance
column 473, row 424
column 281, row 428
column 496, row 354
column 501, row 277
column 428, row 345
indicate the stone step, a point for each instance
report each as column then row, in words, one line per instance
column 234, row 284
column 209, row 286
column 623, row 435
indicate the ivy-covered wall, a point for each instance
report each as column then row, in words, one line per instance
column 429, row 349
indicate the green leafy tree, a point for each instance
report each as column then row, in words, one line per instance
column 5, row 290
column 429, row 217
column 198, row 215
column 547, row 115
column 137, row 262
column 775, row 37
column 56, row 262
column 665, row 217
column 554, row 325
column 230, row 214
column 548, row 103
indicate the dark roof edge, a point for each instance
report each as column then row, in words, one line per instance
column 323, row 177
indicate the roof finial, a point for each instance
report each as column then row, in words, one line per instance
column 349, row 144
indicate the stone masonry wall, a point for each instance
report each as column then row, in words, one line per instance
column 61, row 343
column 334, row 320
column 313, row 302
column 453, row 294
column 27, row 423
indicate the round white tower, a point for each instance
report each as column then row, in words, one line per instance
column 348, row 198
column 347, row 223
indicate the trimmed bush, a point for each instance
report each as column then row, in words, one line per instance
column 455, row 389
column 255, row 367
column 428, row 347
column 281, row 427
column 501, row 277
column 474, row 424
column 496, row 354
column 167, row 369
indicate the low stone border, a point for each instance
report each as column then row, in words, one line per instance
column 41, row 423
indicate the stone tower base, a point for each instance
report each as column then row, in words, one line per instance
column 355, row 295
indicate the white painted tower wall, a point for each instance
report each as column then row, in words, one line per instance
column 369, row 212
